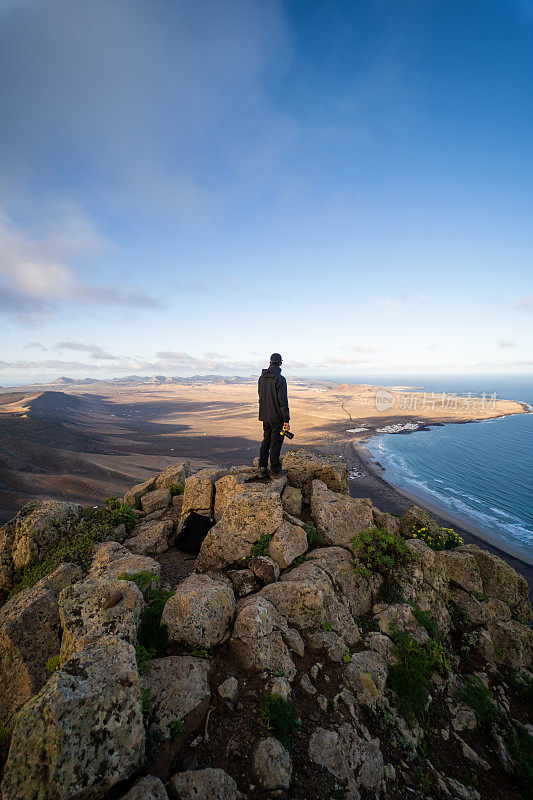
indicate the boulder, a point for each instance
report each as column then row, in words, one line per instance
column 387, row 522
column 462, row 569
column 173, row 475
column 225, row 488
column 502, row 581
column 415, row 518
column 513, row 644
column 30, row 634
column 424, row 581
column 148, row 788
column 151, row 537
column 291, row 500
column 93, row 608
column 383, row 645
column 133, row 495
column 205, row 784
column 304, row 466
column 244, row 581
column 200, row 611
column 179, row 690
column 329, row 643
column 271, row 765
column 366, row 675
column 155, row 500
column 199, row 492
column 289, row 542
column 258, row 638
column 359, row 592
column 400, row 617
column 111, row 560
column 355, row 761
column 300, row 602
column 30, row 535
column 246, row 518
column 83, row 732
column 338, row 517
column 264, row 568
column 229, row 689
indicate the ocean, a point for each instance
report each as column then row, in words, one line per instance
column 480, row 472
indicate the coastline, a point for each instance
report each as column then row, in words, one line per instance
column 395, row 500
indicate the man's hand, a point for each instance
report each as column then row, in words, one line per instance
column 286, row 426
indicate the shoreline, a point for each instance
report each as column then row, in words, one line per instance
column 395, row 500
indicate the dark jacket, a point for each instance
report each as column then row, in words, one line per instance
column 273, row 403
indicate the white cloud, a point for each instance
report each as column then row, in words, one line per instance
column 506, row 343
column 525, row 303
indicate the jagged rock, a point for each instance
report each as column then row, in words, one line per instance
column 83, row 732
column 289, row 542
column 462, row 569
column 329, row 643
column 179, row 690
column 459, row 790
column 400, row 616
column 386, row 522
column 247, row 516
column 272, row 765
column 200, row 611
column 200, row 491
column 424, row 581
column 150, row 537
column 463, row 718
column 156, row 500
column 264, row 568
column 366, row 674
column 291, row 500
column 133, row 495
column 244, row 581
column 258, row 641
column 338, row 517
column 416, row 518
column 93, row 608
column 303, row 467
column 306, row 684
column 205, row 784
column 28, row 537
column 356, row 762
column 173, row 475
column 512, row 642
column 111, row 560
column 471, row 755
column 149, row 788
column 226, row 488
column 501, row 581
column 359, row 592
column 229, row 689
column 299, row 602
column 383, row 645
column 30, row 634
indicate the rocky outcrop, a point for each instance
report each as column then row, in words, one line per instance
column 200, row 611
column 82, row 732
column 112, row 560
column 179, row 693
column 354, row 760
column 258, row 641
column 199, row 492
column 338, row 517
column 151, row 538
column 303, row 467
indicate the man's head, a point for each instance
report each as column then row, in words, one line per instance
column 276, row 359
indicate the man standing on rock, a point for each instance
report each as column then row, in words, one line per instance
column 274, row 414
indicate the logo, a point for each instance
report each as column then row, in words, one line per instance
column 384, row 400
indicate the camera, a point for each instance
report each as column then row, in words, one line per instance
column 288, row 434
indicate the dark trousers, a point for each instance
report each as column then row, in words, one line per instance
column 271, row 444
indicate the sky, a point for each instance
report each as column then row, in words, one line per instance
column 186, row 187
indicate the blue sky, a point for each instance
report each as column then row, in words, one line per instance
column 187, row 186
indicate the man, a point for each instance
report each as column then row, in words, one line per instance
column 274, row 414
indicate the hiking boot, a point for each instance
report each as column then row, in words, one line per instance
column 277, row 473
column 262, row 472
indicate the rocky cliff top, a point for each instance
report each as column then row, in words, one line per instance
column 316, row 647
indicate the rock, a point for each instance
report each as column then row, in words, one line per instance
column 83, row 732
column 228, row 689
column 200, row 611
column 264, row 568
column 471, row 755
column 30, row 535
column 151, row 537
column 149, row 788
column 272, row 765
column 303, row 467
column 400, row 616
column 111, row 560
column 156, row 500
column 200, row 491
column 329, row 643
column 291, row 500
column 93, row 608
column 513, row 643
column 226, row 488
column 289, row 542
column 306, row 685
column 424, row 581
column 502, row 581
column 246, row 518
column 173, row 475
column 383, row 645
column 360, row 593
column 362, row 666
column 258, row 638
column 338, row 517
column 30, row 634
column 463, row 718
column 205, row 784
column 133, row 495
column 387, row 522
column 244, row 581
column 299, row 602
column 416, row 518
column 462, row 569
column 357, row 763
column 179, row 690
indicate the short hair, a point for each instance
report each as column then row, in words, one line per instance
column 275, row 358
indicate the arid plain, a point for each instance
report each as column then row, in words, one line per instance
column 85, row 442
